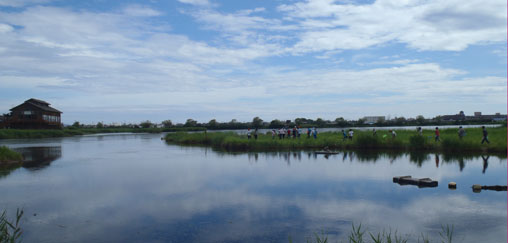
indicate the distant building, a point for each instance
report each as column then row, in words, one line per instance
column 373, row 119
column 34, row 114
column 477, row 117
column 458, row 117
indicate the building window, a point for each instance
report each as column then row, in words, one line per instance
column 26, row 113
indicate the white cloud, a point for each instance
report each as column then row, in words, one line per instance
column 21, row 3
column 4, row 28
column 140, row 11
column 196, row 2
column 423, row 25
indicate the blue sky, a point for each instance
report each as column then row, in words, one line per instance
column 128, row 61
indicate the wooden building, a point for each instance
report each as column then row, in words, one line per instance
column 34, row 114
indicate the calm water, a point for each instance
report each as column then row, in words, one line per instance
column 136, row 188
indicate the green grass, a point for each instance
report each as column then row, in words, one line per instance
column 68, row 132
column 406, row 140
column 8, row 155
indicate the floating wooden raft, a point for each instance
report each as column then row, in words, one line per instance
column 408, row 180
column 325, row 152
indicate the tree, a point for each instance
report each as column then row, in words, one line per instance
column 167, row 123
column 320, row 122
column 146, row 124
column 276, row 124
column 361, row 121
column 299, row 121
column 190, row 123
column 212, row 123
column 341, row 122
column 420, row 120
column 399, row 121
column 257, row 122
column 76, row 124
column 99, row 125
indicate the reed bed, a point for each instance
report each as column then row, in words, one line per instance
column 405, row 140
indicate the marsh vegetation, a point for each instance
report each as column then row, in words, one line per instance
column 404, row 140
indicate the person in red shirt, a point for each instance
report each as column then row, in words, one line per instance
column 437, row 135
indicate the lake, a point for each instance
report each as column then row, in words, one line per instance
column 137, row 188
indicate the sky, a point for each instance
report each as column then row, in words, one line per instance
column 128, row 61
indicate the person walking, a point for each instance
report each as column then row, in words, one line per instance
column 394, row 134
column 248, row 133
column 374, row 132
column 256, row 134
column 485, row 135
column 308, row 132
column 462, row 132
column 344, row 135
column 273, row 134
column 314, row 132
column 419, row 131
column 351, row 133
column 437, row 134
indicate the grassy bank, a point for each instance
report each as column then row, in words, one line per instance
column 67, row 132
column 405, row 140
column 9, row 158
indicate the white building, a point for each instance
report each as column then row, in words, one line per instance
column 373, row 119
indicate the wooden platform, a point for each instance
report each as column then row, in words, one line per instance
column 408, row 180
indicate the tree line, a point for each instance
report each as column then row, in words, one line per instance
column 257, row 122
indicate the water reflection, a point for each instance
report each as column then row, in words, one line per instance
column 417, row 158
column 139, row 189
column 35, row 158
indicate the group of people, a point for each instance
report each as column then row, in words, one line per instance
column 461, row 133
column 295, row 132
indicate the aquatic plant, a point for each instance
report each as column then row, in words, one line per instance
column 10, row 232
column 357, row 235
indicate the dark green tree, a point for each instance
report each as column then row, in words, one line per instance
column 213, row 124
column 190, row 123
column 257, row 122
column 167, row 123
column 146, row 124
column 420, row 120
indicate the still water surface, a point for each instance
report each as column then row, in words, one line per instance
column 136, row 188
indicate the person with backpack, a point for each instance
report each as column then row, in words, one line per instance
column 437, row 134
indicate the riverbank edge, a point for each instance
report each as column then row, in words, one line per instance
column 9, row 158
column 363, row 140
column 69, row 132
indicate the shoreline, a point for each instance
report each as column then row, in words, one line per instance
column 69, row 132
